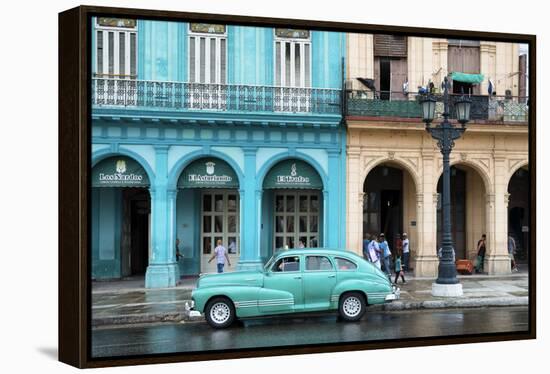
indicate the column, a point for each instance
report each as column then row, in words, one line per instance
column 250, row 258
column 419, row 242
column 335, row 227
column 497, row 260
column 162, row 270
column 354, row 187
column 426, row 262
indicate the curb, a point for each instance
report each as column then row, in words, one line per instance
column 456, row 303
column 144, row 318
column 394, row 306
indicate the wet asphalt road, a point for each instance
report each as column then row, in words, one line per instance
column 310, row 329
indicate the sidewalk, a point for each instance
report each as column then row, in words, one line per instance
column 128, row 302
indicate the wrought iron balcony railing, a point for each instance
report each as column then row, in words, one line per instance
column 182, row 96
column 397, row 104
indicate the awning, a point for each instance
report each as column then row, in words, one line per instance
column 467, row 78
column 208, row 172
column 119, row 171
column 293, row 174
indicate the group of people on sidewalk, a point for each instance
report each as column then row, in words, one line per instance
column 482, row 249
column 377, row 250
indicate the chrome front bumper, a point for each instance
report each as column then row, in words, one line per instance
column 396, row 293
column 189, row 308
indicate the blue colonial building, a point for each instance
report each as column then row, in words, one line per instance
column 207, row 132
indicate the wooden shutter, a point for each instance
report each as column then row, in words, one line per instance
column 398, row 77
column 464, row 59
column 377, row 73
column 522, row 76
column 390, row 45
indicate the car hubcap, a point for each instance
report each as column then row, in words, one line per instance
column 352, row 306
column 220, row 313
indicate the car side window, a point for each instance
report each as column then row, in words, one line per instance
column 286, row 264
column 318, row 263
column 344, row 264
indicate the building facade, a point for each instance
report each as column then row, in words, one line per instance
column 207, row 132
column 394, row 166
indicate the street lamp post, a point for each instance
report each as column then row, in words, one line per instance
column 446, row 133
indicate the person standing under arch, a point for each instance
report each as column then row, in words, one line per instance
column 481, row 249
column 406, row 251
column 511, row 252
column 220, row 254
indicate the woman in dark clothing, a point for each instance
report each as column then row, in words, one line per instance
column 481, row 249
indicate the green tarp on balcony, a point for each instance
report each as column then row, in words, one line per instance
column 467, row 78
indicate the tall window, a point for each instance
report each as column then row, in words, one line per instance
column 296, row 219
column 292, row 58
column 116, row 48
column 207, row 53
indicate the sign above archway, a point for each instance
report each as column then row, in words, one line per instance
column 119, row 171
column 293, row 174
column 208, row 172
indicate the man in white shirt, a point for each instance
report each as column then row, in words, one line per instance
column 405, row 251
column 374, row 250
column 220, row 254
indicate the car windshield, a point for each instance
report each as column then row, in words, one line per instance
column 269, row 263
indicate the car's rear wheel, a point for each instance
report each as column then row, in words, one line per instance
column 352, row 306
column 220, row 312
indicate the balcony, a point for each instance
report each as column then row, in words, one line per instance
column 226, row 98
column 499, row 109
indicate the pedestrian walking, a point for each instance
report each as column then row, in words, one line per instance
column 366, row 243
column 512, row 252
column 398, row 268
column 220, row 254
column 178, row 253
column 481, row 249
column 405, row 245
column 398, row 243
column 374, row 252
column 386, row 254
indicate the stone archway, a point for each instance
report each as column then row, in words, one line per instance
column 359, row 165
column 469, row 214
column 391, row 203
column 120, row 217
column 518, row 209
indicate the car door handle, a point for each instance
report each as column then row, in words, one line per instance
column 298, row 277
column 332, row 276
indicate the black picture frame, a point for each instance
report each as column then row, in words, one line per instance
column 74, row 184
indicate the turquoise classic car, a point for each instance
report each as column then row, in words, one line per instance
column 297, row 280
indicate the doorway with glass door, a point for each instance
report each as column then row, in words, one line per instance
column 208, row 211
column 292, row 207
column 296, row 219
column 219, row 224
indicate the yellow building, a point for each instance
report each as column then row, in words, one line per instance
column 394, row 166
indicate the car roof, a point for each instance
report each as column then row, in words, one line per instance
column 326, row 251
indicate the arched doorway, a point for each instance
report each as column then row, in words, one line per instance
column 292, row 208
column 468, row 210
column 389, row 204
column 518, row 212
column 207, row 211
column 120, row 214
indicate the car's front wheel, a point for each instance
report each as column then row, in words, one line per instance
column 220, row 312
column 352, row 306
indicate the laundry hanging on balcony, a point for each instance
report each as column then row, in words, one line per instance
column 467, row 78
